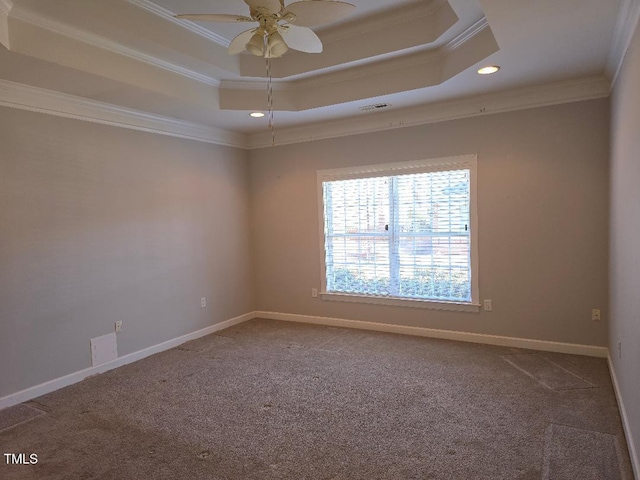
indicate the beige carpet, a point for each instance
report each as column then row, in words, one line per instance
column 276, row 400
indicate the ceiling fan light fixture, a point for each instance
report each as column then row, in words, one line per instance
column 256, row 44
column 276, row 46
column 488, row 70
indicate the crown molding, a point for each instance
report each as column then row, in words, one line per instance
column 168, row 15
column 372, row 23
column 426, row 57
column 25, row 97
column 405, row 30
column 349, row 74
column 518, row 99
column 98, row 41
column 303, row 94
column 5, row 10
column 35, row 99
column 466, row 35
column 6, row 6
column 628, row 17
column 344, row 74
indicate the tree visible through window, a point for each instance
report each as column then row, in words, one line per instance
column 404, row 236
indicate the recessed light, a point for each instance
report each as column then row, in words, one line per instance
column 257, row 114
column 488, row 70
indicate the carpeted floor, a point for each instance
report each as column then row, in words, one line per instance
column 276, row 400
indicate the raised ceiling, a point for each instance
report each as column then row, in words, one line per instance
column 417, row 56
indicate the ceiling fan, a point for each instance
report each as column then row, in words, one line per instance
column 280, row 27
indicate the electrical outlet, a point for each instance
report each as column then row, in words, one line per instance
column 203, row 302
column 595, row 315
column 488, row 306
column 118, row 326
column 314, row 292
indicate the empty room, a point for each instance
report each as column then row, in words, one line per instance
column 317, row 239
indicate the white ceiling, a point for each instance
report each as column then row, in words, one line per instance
column 131, row 53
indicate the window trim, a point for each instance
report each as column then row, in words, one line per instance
column 470, row 162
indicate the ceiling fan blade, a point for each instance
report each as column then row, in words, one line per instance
column 302, row 39
column 272, row 5
column 212, row 17
column 239, row 43
column 317, row 12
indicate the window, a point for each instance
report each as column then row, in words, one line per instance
column 401, row 233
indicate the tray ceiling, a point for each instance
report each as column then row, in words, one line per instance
column 409, row 54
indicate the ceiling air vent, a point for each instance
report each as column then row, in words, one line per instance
column 376, row 106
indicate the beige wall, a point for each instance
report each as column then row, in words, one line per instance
column 625, row 237
column 99, row 224
column 543, row 220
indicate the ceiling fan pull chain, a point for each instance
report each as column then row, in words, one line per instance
column 270, row 95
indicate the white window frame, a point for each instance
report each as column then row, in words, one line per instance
column 402, row 168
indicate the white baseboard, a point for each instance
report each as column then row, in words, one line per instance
column 547, row 346
column 633, row 453
column 52, row 385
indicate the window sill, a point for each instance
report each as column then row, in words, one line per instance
column 401, row 302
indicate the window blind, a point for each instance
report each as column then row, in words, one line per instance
column 405, row 236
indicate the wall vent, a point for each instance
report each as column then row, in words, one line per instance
column 375, row 106
column 104, row 349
